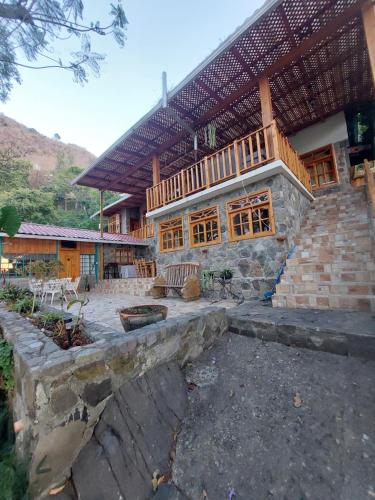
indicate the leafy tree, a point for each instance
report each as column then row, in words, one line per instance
column 10, row 220
column 30, row 28
column 14, row 171
column 31, row 204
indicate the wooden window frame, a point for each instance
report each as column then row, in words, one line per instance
column 205, row 217
column 114, row 224
column 170, row 226
column 249, row 209
column 312, row 164
column 124, row 255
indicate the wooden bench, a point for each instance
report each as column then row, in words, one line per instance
column 182, row 278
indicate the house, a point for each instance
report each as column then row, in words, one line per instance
column 255, row 156
column 82, row 252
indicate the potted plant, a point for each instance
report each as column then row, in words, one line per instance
column 226, row 275
column 136, row 317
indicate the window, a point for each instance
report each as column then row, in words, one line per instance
column 204, row 227
column 171, row 235
column 15, row 265
column 68, row 244
column 250, row 216
column 321, row 167
column 124, row 255
column 114, row 224
column 87, row 265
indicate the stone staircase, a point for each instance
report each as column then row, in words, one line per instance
column 333, row 264
column 136, row 287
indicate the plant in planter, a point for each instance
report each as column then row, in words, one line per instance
column 50, row 321
column 11, row 293
column 136, row 317
column 226, row 274
column 26, row 305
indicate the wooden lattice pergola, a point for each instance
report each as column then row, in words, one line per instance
column 312, row 57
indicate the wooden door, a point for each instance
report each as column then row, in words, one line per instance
column 70, row 261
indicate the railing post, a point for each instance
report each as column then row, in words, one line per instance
column 163, row 189
column 183, row 187
column 237, row 158
column 207, row 170
column 275, row 141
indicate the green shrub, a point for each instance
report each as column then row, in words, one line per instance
column 11, row 293
column 13, row 474
column 24, row 306
column 6, row 366
column 50, row 316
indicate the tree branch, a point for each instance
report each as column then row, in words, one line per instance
column 16, row 12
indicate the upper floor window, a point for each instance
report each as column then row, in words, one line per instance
column 171, row 235
column 321, row 167
column 114, row 224
column 250, row 216
column 204, row 227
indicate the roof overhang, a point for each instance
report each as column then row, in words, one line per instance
column 126, row 201
column 314, row 54
column 85, row 240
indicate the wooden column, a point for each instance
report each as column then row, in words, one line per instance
column 267, row 113
column 155, row 170
column 265, row 101
column 368, row 16
column 101, row 213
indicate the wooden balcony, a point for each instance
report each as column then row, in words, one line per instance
column 241, row 156
column 144, row 232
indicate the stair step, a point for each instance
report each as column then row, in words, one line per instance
column 296, row 276
column 325, row 301
column 330, row 287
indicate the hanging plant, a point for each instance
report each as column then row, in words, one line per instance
column 210, row 136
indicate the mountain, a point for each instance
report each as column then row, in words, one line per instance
column 44, row 153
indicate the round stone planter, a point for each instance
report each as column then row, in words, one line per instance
column 136, row 317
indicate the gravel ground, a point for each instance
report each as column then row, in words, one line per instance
column 272, row 422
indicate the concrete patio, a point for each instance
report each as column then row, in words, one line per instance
column 102, row 308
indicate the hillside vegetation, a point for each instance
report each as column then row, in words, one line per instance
column 45, row 154
column 45, row 195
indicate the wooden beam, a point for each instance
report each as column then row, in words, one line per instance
column 155, row 170
column 265, row 101
column 368, row 17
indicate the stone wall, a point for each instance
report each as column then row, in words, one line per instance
column 60, row 395
column 255, row 262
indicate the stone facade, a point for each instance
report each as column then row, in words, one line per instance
column 60, row 395
column 255, row 262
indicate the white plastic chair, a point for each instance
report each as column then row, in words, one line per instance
column 72, row 286
column 36, row 287
column 52, row 288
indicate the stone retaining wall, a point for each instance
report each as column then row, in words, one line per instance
column 60, row 395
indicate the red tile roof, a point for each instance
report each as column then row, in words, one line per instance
column 72, row 233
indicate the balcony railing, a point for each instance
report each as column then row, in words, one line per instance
column 245, row 154
column 144, row 232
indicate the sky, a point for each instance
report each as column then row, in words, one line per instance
column 162, row 35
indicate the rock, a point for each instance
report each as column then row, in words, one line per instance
column 94, row 393
column 168, row 492
column 133, row 437
column 62, row 400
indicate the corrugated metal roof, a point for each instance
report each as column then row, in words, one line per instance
column 72, row 233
